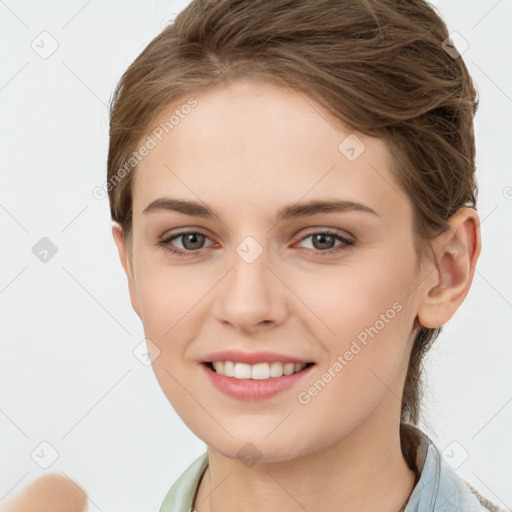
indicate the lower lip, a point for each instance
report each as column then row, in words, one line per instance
column 253, row 389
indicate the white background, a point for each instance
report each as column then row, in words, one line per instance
column 68, row 375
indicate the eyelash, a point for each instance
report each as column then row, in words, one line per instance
column 165, row 243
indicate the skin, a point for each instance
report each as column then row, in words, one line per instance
column 247, row 150
column 49, row 493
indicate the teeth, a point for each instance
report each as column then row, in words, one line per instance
column 288, row 368
column 219, row 367
column 229, row 369
column 260, row 371
column 242, row 371
column 276, row 369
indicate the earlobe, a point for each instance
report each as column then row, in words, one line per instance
column 119, row 240
column 456, row 252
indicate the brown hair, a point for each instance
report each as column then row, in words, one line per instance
column 379, row 66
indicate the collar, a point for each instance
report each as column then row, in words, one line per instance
column 439, row 488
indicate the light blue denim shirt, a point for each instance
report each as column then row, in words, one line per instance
column 439, row 488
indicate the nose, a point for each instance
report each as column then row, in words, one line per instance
column 251, row 297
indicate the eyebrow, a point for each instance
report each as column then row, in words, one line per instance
column 291, row 211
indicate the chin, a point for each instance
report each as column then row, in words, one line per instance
column 252, row 449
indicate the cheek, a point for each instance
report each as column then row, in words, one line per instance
column 345, row 300
column 362, row 315
column 167, row 296
column 170, row 300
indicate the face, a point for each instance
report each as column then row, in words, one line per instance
column 334, row 285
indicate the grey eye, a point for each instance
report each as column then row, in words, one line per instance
column 192, row 241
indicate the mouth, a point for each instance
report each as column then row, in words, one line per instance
column 255, row 375
column 259, row 371
column 254, row 382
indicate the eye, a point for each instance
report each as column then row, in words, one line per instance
column 323, row 241
column 192, row 241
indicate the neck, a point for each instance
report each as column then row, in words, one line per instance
column 362, row 471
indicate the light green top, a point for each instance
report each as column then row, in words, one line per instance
column 182, row 495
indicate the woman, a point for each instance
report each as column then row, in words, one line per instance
column 293, row 190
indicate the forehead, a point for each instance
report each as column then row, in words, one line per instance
column 253, row 143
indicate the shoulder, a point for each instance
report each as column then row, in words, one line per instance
column 486, row 504
column 440, row 487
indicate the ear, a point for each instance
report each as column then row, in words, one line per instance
column 456, row 252
column 126, row 262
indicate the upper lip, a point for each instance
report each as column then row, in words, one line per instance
column 252, row 357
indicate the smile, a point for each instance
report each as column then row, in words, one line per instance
column 259, row 381
column 260, row 371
